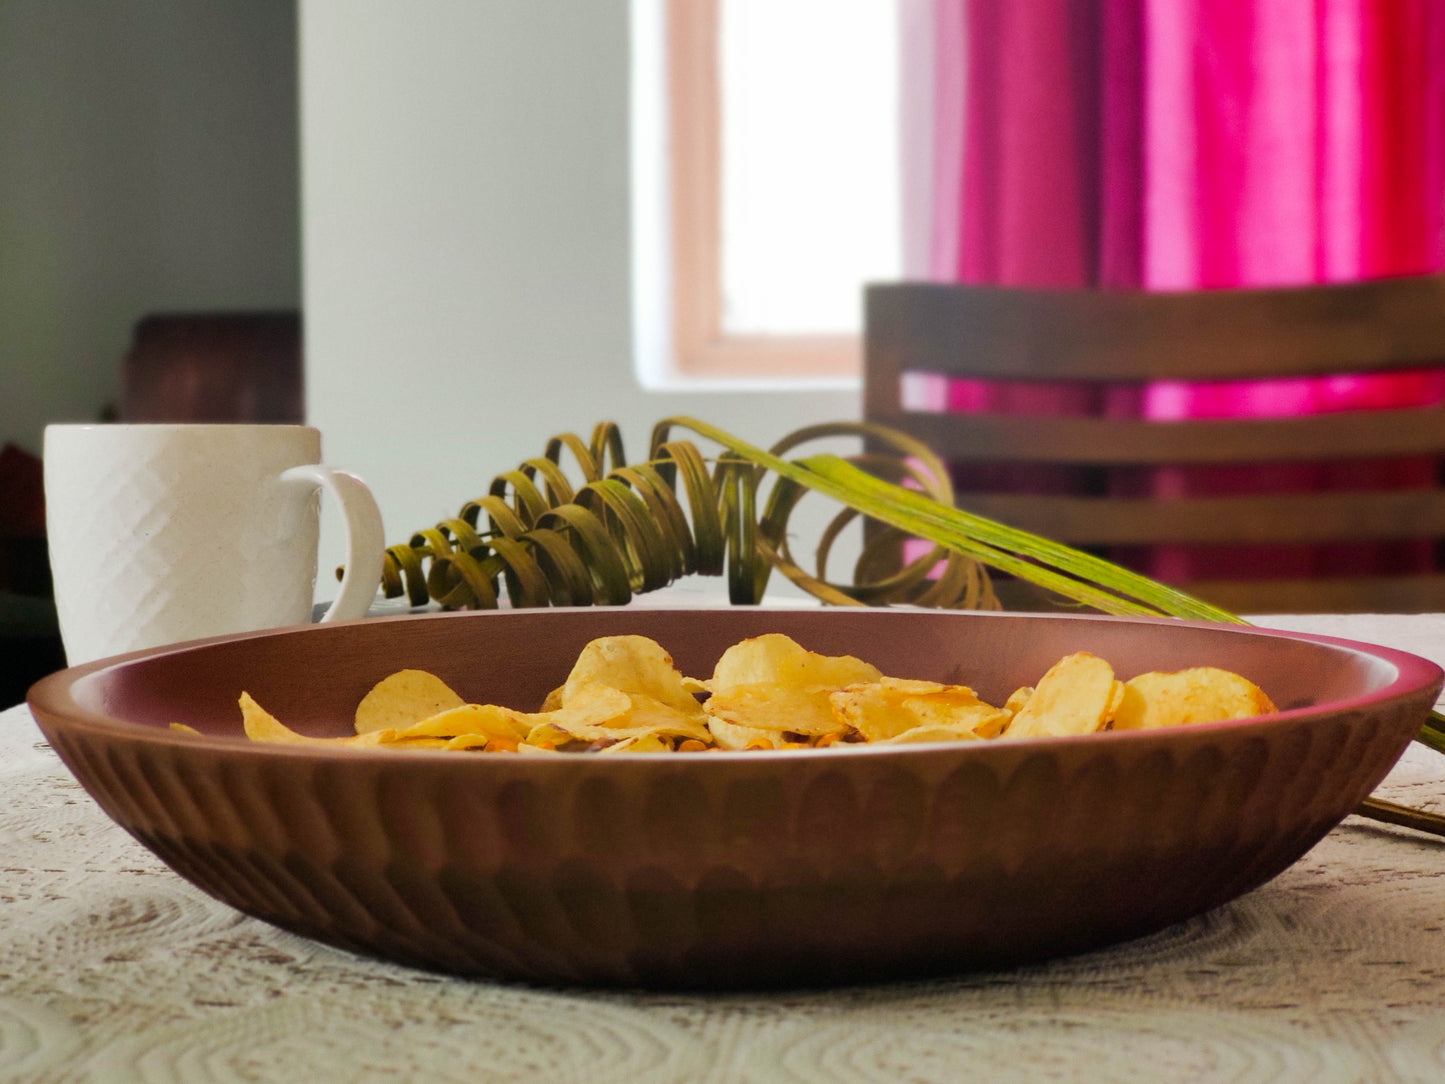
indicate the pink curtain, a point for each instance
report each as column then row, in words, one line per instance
column 1194, row 144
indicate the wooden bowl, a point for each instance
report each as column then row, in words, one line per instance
column 718, row 870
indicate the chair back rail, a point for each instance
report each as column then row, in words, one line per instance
column 1119, row 337
column 1122, row 441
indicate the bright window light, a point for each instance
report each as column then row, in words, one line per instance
column 809, row 151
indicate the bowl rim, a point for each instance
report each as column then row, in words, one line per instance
column 52, row 701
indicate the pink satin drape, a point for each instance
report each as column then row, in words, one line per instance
column 1183, row 144
column 1195, row 144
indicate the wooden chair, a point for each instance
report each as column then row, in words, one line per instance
column 1095, row 339
column 214, row 367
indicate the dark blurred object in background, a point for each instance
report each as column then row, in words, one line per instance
column 29, row 635
column 214, row 367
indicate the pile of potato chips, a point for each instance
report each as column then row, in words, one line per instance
column 625, row 695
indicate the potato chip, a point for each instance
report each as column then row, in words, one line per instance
column 601, row 713
column 728, row 735
column 638, row 743
column 893, row 706
column 595, row 739
column 1077, row 695
column 775, row 708
column 403, row 699
column 647, row 713
column 1201, row 694
column 932, row 732
column 490, row 720
column 261, row 725
column 589, row 705
column 1017, row 699
column 470, row 741
column 777, row 659
column 633, row 664
column 772, row 683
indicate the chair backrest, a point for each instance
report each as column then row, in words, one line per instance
column 1113, row 339
column 214, row 367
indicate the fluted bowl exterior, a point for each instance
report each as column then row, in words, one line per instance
column 725, row 870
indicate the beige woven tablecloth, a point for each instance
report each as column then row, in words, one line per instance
column 113, row 969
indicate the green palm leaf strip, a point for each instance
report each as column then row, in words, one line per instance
column 1078, row 576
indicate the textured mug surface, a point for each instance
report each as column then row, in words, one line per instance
column 165, row 533
column 714, row 870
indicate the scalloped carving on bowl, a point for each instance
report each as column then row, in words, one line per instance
column 726, row 870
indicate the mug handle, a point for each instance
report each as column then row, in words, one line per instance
column 365, row 539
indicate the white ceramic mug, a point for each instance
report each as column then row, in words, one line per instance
column 165, row 533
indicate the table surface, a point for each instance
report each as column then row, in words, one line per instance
column 114, row 969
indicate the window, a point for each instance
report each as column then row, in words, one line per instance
column 780, row 177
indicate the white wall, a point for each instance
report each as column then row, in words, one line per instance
column 148, row 162
column 466, row 246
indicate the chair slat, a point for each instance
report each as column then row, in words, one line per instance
column 1110, row 441
column 1141, row 335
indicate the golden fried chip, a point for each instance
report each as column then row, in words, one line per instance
column 601, row 713
column 261, row 725
column 649, row 714
column 638, row 743
column 548, row 735
column 1201, row 694
column 551, row 736
column 491, row 720
column 589, row 705
column 469, row 741
column 777, row 659
column 777, row 708
column 933, row 732
column 733, row 736
column 633, row 664
column 588, row 717
column 404, row 698
column 1017, row 699
column 772, row 683
column 893, row 706
column 1077, row 695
